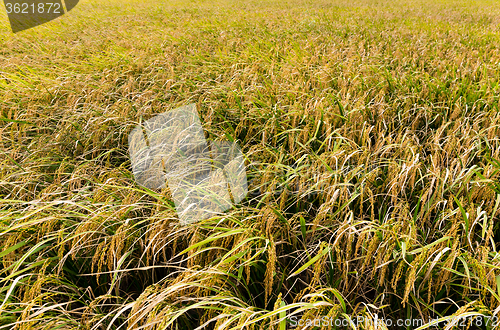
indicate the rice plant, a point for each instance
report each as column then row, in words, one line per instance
column 370, row 132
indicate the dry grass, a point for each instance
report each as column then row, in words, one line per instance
column 371, row 132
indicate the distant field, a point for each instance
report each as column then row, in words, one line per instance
column 371, row 131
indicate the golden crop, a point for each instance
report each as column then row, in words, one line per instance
column 371, row 135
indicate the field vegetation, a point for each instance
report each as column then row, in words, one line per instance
column 371, row 132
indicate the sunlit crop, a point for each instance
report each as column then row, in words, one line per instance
column 371, row 132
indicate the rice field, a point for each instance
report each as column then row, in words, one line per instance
column 371, row 136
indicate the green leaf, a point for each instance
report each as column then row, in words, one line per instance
column 211, row 239
column 497, row 279
column 283, row 316
column 12, row 248
column 303, row 228
column 464, row 214
column 312, row 261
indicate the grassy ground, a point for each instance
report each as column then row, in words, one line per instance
column 371, row 132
